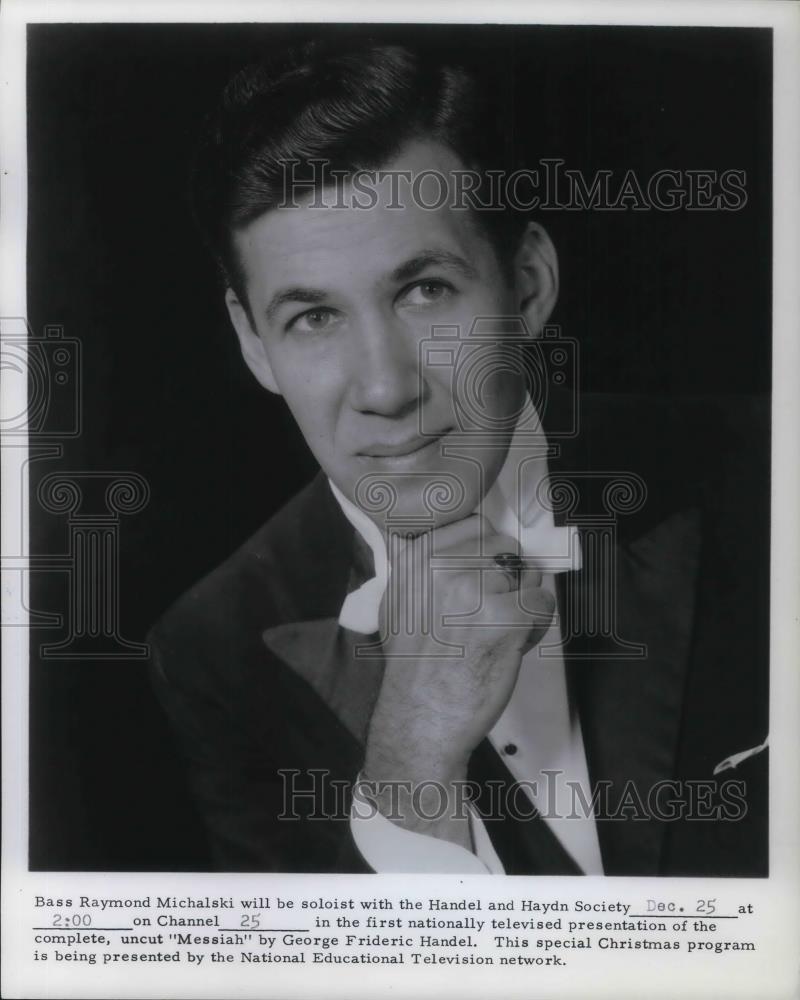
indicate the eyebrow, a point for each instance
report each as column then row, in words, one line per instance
column 307, row 296
column 427, row 258
column 406, row 271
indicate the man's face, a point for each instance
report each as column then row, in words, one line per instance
column 340, row 300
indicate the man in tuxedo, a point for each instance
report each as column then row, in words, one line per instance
column 503, row 630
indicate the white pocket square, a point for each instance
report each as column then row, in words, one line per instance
column 736, row 759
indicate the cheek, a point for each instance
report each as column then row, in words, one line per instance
column 440, row 380
column 313, row 393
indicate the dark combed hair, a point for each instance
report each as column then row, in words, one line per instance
column 352, row 107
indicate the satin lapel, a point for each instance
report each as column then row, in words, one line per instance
column 631, row 706
column 314, row 647
column 321, row 653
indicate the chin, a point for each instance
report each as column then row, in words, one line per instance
column 415, row 502
column 419, row 496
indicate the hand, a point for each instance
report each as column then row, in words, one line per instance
column 432, row 712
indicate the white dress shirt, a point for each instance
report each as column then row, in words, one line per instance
column 536, row 732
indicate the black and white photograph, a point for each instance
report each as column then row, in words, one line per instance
column 391, row 452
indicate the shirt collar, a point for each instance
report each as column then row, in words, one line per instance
column 511, row 506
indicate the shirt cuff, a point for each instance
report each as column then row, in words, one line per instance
column 389, row 848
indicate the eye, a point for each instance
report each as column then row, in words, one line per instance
column 317, row 320
column 428, row 292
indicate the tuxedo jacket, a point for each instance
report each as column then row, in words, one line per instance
column 271, row 708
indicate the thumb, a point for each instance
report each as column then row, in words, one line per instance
column 539, row 605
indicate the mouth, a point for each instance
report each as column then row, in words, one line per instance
column 407, row 448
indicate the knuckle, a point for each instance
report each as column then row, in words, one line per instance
column 463, row 589
column 503, row 543
column 538, row 604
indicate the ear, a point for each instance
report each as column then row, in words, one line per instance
column 251, row 345
column 536, row 276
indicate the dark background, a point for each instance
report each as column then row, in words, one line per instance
column 663, row 303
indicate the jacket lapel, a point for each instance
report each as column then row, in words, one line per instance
column 311, row 644
column 627, row 618
column 631, row 708
column 322, row 654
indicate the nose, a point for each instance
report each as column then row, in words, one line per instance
column 385, row 376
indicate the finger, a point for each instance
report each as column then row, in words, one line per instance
column 498, row 580
column 517, row 571
column 538, row 603
column 501, row 566
column 520, row 570
column 541, row 604
column 469, row 545
column 522, row 617
column 529, row 607
column 475, row 540
column 495, row 544
column 465, row 537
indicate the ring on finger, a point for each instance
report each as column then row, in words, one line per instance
column 511, row 566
